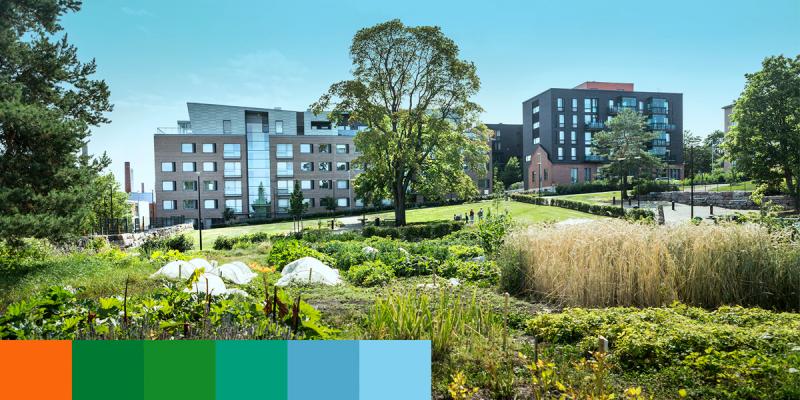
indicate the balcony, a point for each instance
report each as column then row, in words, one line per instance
column 594, row 126
column 660, row 126
column 595, row 158
column 651, row 109
column 616, row 109
column 659, row 143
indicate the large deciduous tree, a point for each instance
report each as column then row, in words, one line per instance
column 624, row 143
column 412, row 91
column 512, row 172
column 765, row 137
column 47, row 104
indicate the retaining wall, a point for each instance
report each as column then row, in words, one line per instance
column 736, row 200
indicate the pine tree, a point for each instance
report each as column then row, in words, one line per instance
column 297, row 207
column 48, row 102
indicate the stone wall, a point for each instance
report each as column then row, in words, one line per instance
column 736, row 200
column 127, row 240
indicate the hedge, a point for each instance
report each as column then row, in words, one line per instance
column 414, row 232
column 606, row 211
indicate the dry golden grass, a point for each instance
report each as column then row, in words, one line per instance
column 615, row 263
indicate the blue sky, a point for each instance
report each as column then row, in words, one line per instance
column 156, row 55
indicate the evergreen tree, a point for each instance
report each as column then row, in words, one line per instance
column 48, row 102
column 110, row 203
column 297, row 207
column 512, row 172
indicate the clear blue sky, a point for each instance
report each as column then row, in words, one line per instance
column 156, row 55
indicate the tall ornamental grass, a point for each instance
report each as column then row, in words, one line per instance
column 615, row 263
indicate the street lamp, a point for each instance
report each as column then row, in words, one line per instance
column 199, row 212
column 691, row 181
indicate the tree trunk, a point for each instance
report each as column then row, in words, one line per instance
column 400, row 208
column 623, row 190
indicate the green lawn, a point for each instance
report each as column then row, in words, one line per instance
column 522, row 213
column 603, row 198
column 747, row 185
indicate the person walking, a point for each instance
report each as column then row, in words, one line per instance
column 471, row 216
column 480, row 214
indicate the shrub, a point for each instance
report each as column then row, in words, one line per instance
column 160, row 258
column 653, row 187
column 13, row 257
column 346, row 254
column 241, row 241
column 585, row 187
column 97, row 244
column 285, row 251
column 596, row 209
column 471, row 271
column 182, row 243
column 414, row 232
column 464, row 252
column 370, row 273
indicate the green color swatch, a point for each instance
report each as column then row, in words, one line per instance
column 179, row 369
column 104, row 369
column 251, row 369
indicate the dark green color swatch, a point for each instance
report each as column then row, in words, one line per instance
column 179, row 369
column 107, row 369
column 251, row 369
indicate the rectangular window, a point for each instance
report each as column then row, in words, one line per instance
column 343, row 202
column 560, row 153
column 189, row 167
column 234, row 204
column 168, row 186
column 536, row 109
column 587, row 138
column 359, row 202
column 284, row 150
column 590, row 106
column 285, row 169
column 233, row 188
column 560, row 104
column 190, row 204
column 574, row 120
column 210, row 204
column 308, row 202
column 560, row 120
column 209, row 147
column 587, row 151
column 169, row 204
column 342, row 148
column 233, row 168
column 325, row 166
column 232, row 150
column 574, row 105
column 343, row 184
column 306, row 185
column 573, row 154
column 573, row 175
column 226, row 126
column 210, row 186
column 306, row 148
column 573, row 137
column 167, row 167
column 306, row 166
column 278, row 126
column 190, row 186
column 283, row 205
column 325, row 148
column 561, row 137
column 209, row 166
column 326, row 184
column 187, row 147
column 342, row 166
column 284, row 186
column 536, row 140
column 536, row 125
column 587, row 174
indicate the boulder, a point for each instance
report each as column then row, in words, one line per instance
column 370, row 251
column 308, row 270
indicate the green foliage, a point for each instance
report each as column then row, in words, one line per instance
column 98, row 244
column 414, row 231
column 492, row 230
column 512, row 172
column 647, row 186
column 464, row 252
column 161, row 257
column 228, row 243
column 285, row 251
column 370, row 273
column 181, row 243
column 586, row 187
column 296, row 206
column 485, row 272
column 596, row 209
column 48, row 103
column 102, row 207
column 732, row 352
column 13, row 258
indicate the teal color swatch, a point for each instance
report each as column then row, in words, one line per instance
column 323, row 370
column 251, row 369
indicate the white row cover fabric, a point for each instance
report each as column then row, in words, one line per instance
column 308, row 270
column 175, row 270
column 236, row 272
column 208, row 283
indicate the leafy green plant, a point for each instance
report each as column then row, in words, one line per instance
column 285, row 251
column 370, row 273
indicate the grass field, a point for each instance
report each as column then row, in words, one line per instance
column 747, row 185
column 522, row 213
column 593, row 198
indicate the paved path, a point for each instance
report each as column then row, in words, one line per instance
column 682, row 212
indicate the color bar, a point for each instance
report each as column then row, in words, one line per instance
column 323, row 370
column 36, row 369
column 103, row 369
column 179, row 369
column 394, row 369
column 250, row 369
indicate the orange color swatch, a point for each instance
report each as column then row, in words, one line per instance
column 36, row 369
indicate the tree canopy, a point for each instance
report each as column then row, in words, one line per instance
column 48, row 102
column 412, row 92
column 512, row 172
column 764, row 140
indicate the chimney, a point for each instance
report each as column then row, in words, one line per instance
column 127, row 177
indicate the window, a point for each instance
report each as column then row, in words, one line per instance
column 169, row 204
column 190, row 186
column 168, row 186
column 560, row 120
column 641, row 106
column 544, row 174
column 233, row 188
column 167, row 167
column 528, row 158
column 284, row 186
column 342, row 166
column 573, row 153
column 233, row 168
column 226, row 126
column 573, row 137
column 210, row 186
column 306, row 185
column 342, row 184
column 560, row 153
column 560, row 104
column 187, row 147
column 189, row 167
column 232, row 150
column 326, row 184
column 587, row 138
column 210, row 204
column 536, row 109
column 343, row 202
column 574, row 105
column 325, row 166
column 306, row 166
column 308, row 202
column 536, row 140
column 325, row 148
column 359, row 202
column 283, row 150
column 342, row 148
column 561, row 137
column 234, row 204
column 590, row 106
column 190, row 204
column 283, row 204
column 587, row 151
column 536, row 125
column 629, row 102
column 574, row 120
column 587, row 174
column 573, row 175
column 209, row 147
column 209, row 166
column 279, row 126
column 285, row 169
column 306, row 148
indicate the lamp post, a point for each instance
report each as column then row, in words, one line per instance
column 199, row 212
column 691, row 182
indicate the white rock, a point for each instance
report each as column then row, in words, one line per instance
column 175, row 270
column 369, row 250
column 308, row 270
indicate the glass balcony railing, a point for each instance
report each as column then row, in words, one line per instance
column 655, row 109
column 660, row 143
column 594, row 126
column 616, row 109
column 595, row 158
column 660, row 126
